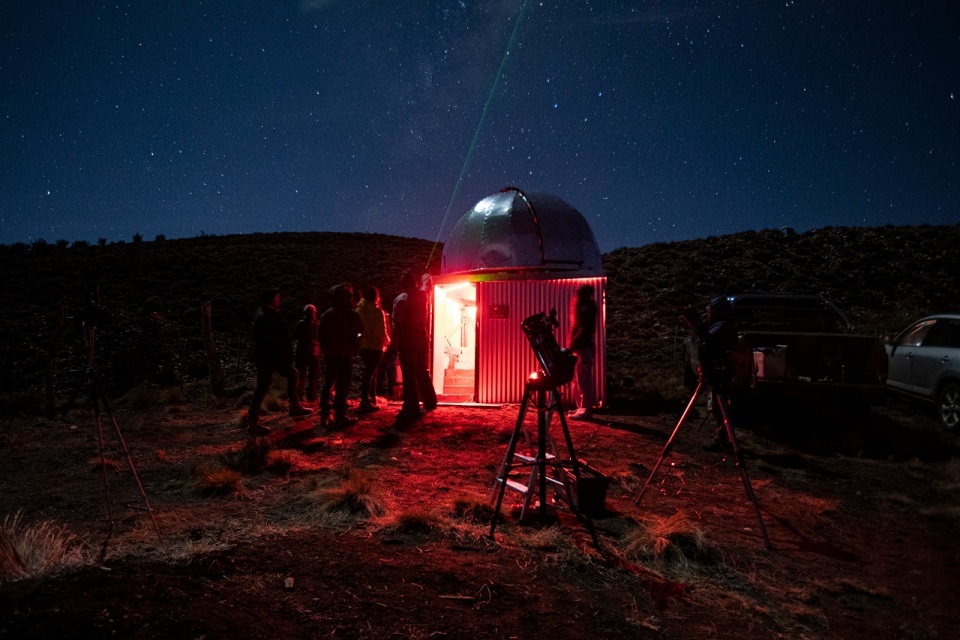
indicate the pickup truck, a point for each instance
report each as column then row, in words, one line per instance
column 798, row 347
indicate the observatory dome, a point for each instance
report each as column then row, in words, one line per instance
column 513, row 230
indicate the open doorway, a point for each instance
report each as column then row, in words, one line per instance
column 455, row 341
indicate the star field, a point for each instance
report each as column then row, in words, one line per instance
column 659, row 121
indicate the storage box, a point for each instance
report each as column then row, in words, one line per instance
column 589, row 496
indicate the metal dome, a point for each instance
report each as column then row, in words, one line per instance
column 514, row 230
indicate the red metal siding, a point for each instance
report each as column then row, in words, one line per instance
column 504, row 357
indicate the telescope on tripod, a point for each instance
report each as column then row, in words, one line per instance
column 100, row 404
column 542, row 391
column 713, row 374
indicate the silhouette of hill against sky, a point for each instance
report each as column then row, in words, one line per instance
column 151, row 291
column 883, row 277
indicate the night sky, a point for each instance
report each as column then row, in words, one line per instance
column 659, row 121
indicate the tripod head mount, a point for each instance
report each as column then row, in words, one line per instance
column 712, row 348
column 90, row 318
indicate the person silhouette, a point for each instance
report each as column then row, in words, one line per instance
column 272, row 353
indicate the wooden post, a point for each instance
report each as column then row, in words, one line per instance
column 213, row 358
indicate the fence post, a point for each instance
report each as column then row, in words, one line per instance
column 213, row 358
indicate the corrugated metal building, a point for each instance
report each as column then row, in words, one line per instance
column 513, row 255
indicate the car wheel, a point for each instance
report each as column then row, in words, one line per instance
column 948, row 406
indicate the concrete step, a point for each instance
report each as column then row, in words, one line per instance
column 455, row 397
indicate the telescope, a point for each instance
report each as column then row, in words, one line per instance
column 559, row 365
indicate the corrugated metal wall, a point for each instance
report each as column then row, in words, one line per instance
column 504, row 356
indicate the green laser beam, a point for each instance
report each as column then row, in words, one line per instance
column 476, row 133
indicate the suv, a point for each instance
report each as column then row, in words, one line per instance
column 799, row 346
column 925, row 363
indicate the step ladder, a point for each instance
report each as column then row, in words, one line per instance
column 531, row 486
column 544, row 397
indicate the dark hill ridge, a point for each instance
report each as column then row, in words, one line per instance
column 151, row 291
column 883, row 277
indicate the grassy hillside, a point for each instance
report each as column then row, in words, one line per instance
column 151, row 292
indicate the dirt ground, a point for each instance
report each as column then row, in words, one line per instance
column 861, row 513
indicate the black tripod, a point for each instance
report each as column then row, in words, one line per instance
column 720, row 400
column 98, row 398
column 544, row 395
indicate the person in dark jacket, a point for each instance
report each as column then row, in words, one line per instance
column 410, row 338
column 339, row 332
column 582, row 345
column 307, row 353
column 272, row 353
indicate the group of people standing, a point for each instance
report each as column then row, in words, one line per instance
column 349, row 327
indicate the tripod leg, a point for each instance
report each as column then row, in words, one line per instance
column 728, row 427
column 133, row 469
column 98, row 418
column 667, row 447
column 508, row 460
column 575, row 465
column 541, row 463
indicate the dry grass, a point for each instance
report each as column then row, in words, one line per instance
column 252, row 458
column 546, row 539
column 947, row 512
column 355, row 494
column 283, row 462
column 415, row 520
column 851, row 586
column 35, row 550
column 216, row 480
column 669, row 545
column 473, row 509
column 627, row 481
